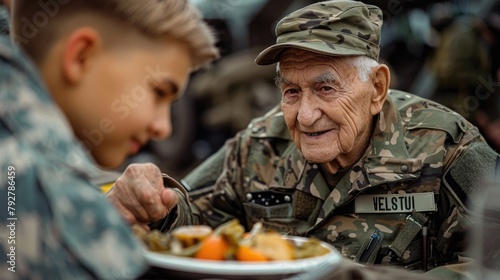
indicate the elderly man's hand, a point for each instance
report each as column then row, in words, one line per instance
column 139, row 195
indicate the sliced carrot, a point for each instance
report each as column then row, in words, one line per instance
column 213, row 247
column 246, row 253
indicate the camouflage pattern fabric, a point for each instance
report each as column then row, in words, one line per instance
column 332, row 28
column 59, row 226
column 415, row 143
column 4, row 21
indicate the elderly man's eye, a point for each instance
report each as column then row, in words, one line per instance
column 326, row 88
column 290, row 91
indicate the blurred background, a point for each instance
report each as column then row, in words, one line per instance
column 448, row 51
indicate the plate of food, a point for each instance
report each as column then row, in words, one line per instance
column 227, row 252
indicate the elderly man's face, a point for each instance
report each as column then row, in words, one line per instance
column 327, row 108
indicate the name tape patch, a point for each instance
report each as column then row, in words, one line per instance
column 395, row 203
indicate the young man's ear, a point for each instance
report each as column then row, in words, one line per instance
column 81, row 48
column 380, row 79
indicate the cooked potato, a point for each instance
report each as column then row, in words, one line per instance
column 190, row 235
column 273, row 246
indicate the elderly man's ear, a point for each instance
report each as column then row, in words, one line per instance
column 380, row 79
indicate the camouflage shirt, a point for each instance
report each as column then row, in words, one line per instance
column 421, row 169
column 54, row 223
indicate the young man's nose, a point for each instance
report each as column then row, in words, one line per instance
column 161, row 127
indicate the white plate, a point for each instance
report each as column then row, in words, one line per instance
column 189, row 268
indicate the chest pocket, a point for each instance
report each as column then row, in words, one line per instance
column 268, row 204
column 286, row 211
column 282, row 204
column 380, row 169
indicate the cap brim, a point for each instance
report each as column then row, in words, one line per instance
column 272, row 54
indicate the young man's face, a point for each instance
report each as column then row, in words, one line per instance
column 125, row 98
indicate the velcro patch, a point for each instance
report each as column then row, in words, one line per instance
column 395, row 203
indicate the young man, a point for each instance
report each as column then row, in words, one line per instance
column 112, row 68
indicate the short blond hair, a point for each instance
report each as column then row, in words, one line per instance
column 176, row 19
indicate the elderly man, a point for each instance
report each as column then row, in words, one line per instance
column 385, row 176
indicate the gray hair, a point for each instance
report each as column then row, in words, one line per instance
column 364, row 65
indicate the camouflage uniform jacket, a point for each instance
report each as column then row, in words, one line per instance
column 54, row 223
column 418, row 148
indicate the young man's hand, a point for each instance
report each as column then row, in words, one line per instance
column 139, row 195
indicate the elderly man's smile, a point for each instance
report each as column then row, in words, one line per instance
column 316, row 134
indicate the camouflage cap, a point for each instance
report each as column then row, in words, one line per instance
column 338, row 28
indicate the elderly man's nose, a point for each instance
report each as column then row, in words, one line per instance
column 308, row 111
